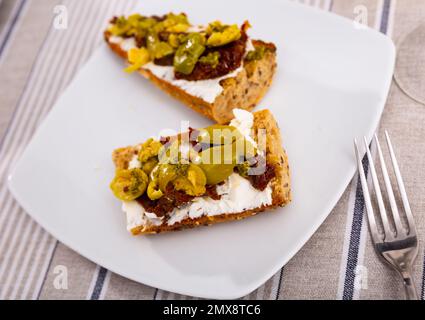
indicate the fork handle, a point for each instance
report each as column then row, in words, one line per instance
column 409, row 286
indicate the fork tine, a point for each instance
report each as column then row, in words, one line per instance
column 366, row 195
column 390, row 192
column 381, row 205
column 405, row 200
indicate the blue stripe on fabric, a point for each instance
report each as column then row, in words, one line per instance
column 12, row 26
column 385, row 17
column 356, row 229
column 280, row 283
column 101, row 276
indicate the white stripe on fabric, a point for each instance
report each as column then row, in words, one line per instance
column 23, row 241
column 25, row 294
column 24, row 265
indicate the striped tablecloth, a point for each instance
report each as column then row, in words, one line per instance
column 38, row 61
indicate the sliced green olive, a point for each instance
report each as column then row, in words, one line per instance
column 173, row 40
column 212, row 58
column 193, row 183
column 218, row 134
column 216, row 173
column 137, row 58
column 173, row 23
column 188, row 178
column 149, row 165
column 215, row 26
column 243, row 169
column 220, row 38
column 217, row 163
column 256, row 54
column 188, row 53
column 149, row 149
column 166, row 174
column 129, row 184
column 157, row 48
column 153, row 192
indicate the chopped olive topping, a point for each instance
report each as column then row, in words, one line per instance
column 157, row 48
column 187, row 178
column 224, row 35
column 211, row 58
column 168, row 40
column 256, row 54
column 149, row 149
column 149, row 165
column 137, row 58
column 210, row 156
column 129, row 184
column 188, row 53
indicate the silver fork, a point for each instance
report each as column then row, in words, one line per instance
column 397, row 246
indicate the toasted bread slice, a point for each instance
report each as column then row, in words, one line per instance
column 243, row 91
column 280, row 184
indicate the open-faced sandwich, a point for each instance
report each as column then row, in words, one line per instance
column 203, row 176
column 212, row 69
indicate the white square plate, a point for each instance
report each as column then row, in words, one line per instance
column 331, row 86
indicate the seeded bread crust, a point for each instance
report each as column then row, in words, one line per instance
column 244, row 91
column 275, row 155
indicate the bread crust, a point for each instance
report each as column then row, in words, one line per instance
column 244, row 91
column 275, row 155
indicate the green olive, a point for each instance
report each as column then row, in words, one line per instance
column 217, row 163
column 215, row 26
column 157, row 48
column 188, row 53
column 220, row 38
column 218, row 134
column 149, row 149
column 216, row 173
column 173, row 23
column 149, row 165
column 212, row 58
column 129, row 184
column 173, row 40
column 166, row 174
column 243, row 169
column 193, row 183
column 153, row 192
column 256, row 54
column 188, row 178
